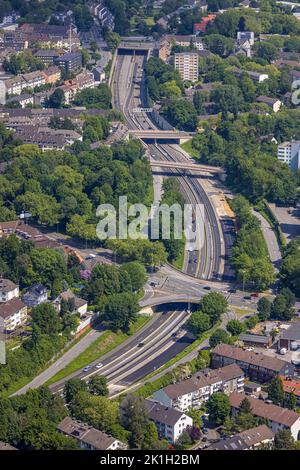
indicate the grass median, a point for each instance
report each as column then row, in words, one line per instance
column 102, row 345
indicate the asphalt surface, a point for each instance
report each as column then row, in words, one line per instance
column 152, row 343
column 271, row 241
column 129, row 93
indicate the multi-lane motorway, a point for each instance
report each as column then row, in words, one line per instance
column 163, row 338
column 129, row 91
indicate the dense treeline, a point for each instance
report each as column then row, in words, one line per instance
column 290, row 269
column 50, row 333
column 251, row 164
column 29, row 421
column 66, row 188
column 171, row 195
column 250, row 257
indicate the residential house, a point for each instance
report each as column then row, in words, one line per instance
column 8, row 290
column 52, row 74
column 255, row 76
column 79, row 305
column 273, row 103
column 291, row 387
column 12, row 314
column 36, row 295
column 88, row 437
column 193, row 392
column 278, row 417
column 34, row 79
column 98, row 74
column 15, row 85
column 25, row 99
column 250, row 439
column 243, row 46
column 248, row 35
column 170, row 423
column 201, row 27
column 257, row 366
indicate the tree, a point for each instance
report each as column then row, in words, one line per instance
column 235, row 327
column 113, row 40
column 198, row 323
column 276, row 392
column 134, row 417
column 218, row 407
column 45, row 319
column 137, row 274
column 151, row 438
column 181, row 114
column 213, row 304
column 219, row 336
column 283, row 440
column 120, row 311
column 280, row 308
column 72, row 388
column 98, row 385
column 264, row 308
column 291, row 402
column 56, row 100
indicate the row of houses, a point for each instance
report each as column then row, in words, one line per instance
column 14, row 311
column 31, row 80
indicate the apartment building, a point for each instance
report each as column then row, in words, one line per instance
column 34, row 79
column 70, row 62
column 48, row 56
column 88, row 437
column 193, row 392
column 257, row 366
column 8, row 290
column 255, row 76
column 187, row 64
column 52, row 74
column 289, row 152
column 278, row 417
column 170, row 423
column 273, row 103
column 12, row 314
column 250, row 439
column 15, row 85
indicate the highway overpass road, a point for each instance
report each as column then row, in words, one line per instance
column 129, row 93
column 158, row 342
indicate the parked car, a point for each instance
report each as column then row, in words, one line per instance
column 87, row 368
column 98, row 366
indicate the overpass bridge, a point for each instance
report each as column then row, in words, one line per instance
column 169, row 136
column 193, row 167
column 135, row 47
column 169, row 299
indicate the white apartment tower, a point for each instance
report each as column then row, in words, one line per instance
column 187, row 64
column 289, row 152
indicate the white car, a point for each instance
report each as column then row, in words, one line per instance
column 98, row 366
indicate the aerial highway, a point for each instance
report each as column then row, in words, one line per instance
column 163, row 338
column 129, row 94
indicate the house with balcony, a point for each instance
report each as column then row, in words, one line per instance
column 195, row 391
column 8, row 290
column 278, row 418
column 257, row 366
column 170, row 423
column 35, row 296
column 12, row 315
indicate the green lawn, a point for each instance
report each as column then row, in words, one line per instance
column 187, row 146
column 102, row 345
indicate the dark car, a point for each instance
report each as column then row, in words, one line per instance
column 140, row 345
column 207, row 287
